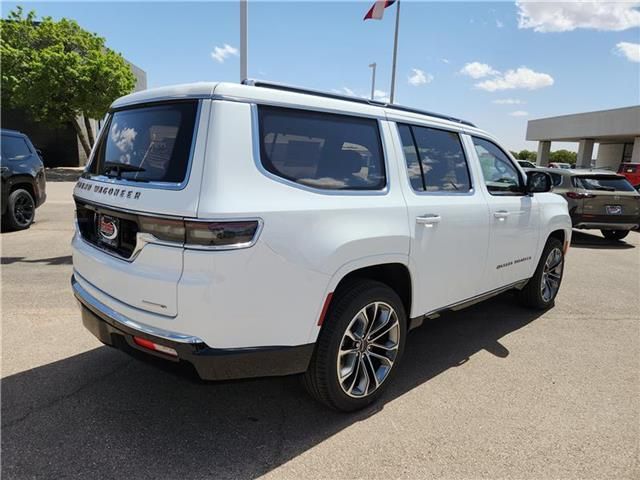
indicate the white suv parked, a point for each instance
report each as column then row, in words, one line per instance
column 255, row 230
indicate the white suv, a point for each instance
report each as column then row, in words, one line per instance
column 255, row 230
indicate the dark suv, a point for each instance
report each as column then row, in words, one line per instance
column 23, row 180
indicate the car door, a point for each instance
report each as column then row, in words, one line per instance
column 448, row 215
column 514, row 217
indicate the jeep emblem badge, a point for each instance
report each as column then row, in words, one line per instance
column 107, row 227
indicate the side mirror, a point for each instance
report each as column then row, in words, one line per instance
column 538, row 182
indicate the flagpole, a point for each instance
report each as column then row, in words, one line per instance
column 395, row 55
column 373, row 79
column 244, row 38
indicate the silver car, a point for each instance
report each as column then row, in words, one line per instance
column 598, row 199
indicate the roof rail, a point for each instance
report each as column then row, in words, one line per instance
column 338, row 96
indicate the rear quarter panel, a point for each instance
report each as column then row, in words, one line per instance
column 310, row 238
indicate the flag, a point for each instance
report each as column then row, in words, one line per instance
column 377, row 9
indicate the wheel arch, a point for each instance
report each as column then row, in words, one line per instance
column 390, row 270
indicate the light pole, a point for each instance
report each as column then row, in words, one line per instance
column 244, row 39
column 373, row 78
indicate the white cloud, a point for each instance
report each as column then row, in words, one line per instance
column 499, row 24
column 478, row 70
column 222, row 53
column 629, row 50
column 523, row 78
column 509, row 101
column 554, row 16
column 519, row 113
column 419, row 77
column 379, row 95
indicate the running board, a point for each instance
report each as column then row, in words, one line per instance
column 454, row 307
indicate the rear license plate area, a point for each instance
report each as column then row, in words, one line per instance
column 614, row 209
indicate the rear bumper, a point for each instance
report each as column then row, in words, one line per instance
column 606, row 222
column 118, row 331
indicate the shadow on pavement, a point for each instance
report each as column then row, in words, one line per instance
column 63, row 260
column 103, row 414
column 588, row 240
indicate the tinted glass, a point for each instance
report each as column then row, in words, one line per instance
column 500, row 174
column 411, row 157
column 322, row 150
column 604, row 183
column 556, row 179
column 442, row 161
column 149, row 143
column 14, row 148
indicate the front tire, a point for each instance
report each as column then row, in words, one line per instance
column 541, row 290
column 21, row 210
column 614, row 235
column 359, row 347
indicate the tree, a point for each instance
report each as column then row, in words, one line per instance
column 563, row 156
column 58, row 72
column 527, row 155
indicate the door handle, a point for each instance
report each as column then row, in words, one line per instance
column 428, row 220
column 501, row 214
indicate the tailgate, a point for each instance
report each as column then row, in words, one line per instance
column 144, row 176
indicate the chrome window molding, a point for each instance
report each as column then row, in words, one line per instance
column 257, row 160
column 151, row 184
column 89, row 301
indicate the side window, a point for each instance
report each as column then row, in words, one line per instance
column 14, row 148
column 557, row 179
column 500, row 175
column 435, row 159
column 411, row 157
column 322, row 150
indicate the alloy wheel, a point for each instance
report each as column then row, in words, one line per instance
column 368, row 349
column 551, row 275
column 24, row 210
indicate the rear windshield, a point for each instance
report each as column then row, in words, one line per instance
column 603, row 183
column 628, row 168
column 148, row 143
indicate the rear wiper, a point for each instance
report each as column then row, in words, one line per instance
column 120, row 168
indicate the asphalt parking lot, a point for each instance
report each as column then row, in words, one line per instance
column 493, row 391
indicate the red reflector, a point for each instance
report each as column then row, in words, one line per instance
column 148, row 344
column 325, row 307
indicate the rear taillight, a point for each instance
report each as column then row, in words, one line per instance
column 202, row 234
column 579, row 195
column 233, row 234
column 166, row 229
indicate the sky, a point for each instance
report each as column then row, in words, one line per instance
column 497, row 64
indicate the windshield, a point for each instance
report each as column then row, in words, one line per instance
column 604, row 183
column 148, row 144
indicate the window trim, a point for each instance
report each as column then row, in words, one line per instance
column 257, row 152
column 523, row 182
column 472, row 189
column 87, row 174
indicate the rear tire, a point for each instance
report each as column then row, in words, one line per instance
column 21, row 210
column 541, row 290
column 359, row 347
column 615, row 235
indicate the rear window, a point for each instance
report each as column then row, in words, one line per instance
column 148, row 143
column 14, row 148
column 322, row 150
column 628, row 168
column 603, row 183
